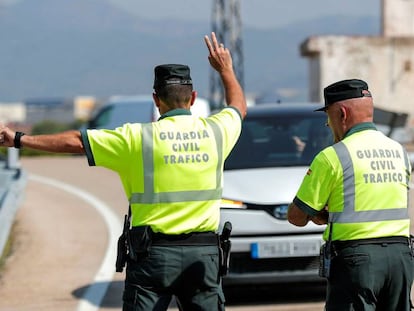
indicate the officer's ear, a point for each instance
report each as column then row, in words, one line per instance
column 343, row 113
column 193, row 97
column 156, row 99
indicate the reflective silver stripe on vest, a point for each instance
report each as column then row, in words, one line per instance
column 149, row 197
column 349, row 215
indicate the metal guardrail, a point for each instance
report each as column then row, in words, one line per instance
column 12, row 185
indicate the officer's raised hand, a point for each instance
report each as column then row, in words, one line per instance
column 220, row 59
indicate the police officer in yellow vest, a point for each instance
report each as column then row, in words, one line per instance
column 171, row 171
column 359, row 187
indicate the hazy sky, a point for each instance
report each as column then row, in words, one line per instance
column 254, row 13
column 257, row 13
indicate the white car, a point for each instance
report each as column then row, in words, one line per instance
column 121, row 109
column 262, row 175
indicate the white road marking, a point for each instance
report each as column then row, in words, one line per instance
column 94, row 294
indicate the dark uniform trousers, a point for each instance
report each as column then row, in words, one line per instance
column 370, row 276
column 188, row 272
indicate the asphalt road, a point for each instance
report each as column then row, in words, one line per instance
column 61, row 239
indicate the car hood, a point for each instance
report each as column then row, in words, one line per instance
column 263, row 185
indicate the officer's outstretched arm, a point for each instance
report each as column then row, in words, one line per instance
column 64, row 142
column 220, row 59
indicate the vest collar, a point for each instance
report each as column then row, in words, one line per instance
column 360, row 127
column 175, row 112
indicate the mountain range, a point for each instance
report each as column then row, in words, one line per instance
column 58, row 48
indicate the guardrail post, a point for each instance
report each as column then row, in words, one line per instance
column 13, row 159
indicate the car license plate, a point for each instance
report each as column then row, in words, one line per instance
column 285, row 249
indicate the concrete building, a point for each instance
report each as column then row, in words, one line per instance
column 12, row 112
column 386, row 62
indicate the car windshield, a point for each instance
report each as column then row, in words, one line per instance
column 281, row 140
column 119, row 113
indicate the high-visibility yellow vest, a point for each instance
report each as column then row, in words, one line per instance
column 364, row 181
column 171, row 170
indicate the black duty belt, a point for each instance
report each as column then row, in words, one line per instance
column 195, row 238
column 338, row 245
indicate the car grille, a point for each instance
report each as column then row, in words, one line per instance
column 243, row 263
column 278, row 211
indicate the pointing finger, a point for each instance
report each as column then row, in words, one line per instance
column 214, row 39
column 208, row 43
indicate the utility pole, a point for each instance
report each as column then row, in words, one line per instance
column 226, row 23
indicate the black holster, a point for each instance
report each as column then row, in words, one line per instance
column 139, row 242
column 225, row 247
column 122, row 253
column 134, row 243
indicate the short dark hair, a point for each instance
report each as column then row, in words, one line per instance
column 174, row 95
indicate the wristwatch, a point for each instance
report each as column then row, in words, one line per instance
column 17, row 138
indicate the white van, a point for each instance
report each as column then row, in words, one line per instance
column 122, row 109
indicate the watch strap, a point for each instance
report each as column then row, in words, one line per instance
column 17, row 137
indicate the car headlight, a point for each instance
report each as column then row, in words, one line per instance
column 225, row 203
column 280, row 211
